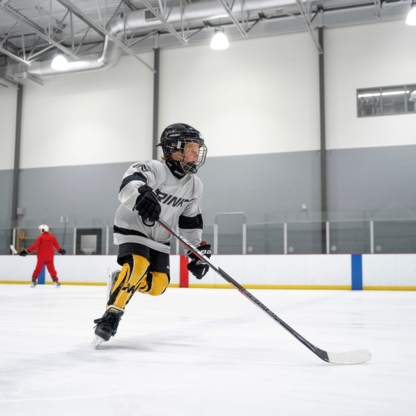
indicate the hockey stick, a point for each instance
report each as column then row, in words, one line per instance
column 348, row 357
column 14, row 251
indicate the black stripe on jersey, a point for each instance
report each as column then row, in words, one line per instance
column 190, row 223
column 137, row 176
column 127, row 231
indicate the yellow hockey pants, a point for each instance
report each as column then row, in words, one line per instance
column 135, row 277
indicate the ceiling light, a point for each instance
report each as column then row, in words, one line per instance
column 219, row 40
column 411, row 16
column 59, row 63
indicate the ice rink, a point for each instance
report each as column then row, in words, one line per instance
column 204, row 352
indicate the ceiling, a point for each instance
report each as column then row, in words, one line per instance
column 93, row 34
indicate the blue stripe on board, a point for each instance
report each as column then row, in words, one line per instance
column 357, row 272
column 41, row 277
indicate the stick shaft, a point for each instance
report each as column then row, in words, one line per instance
column 321, row 354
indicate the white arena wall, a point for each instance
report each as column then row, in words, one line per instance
column 255, row 93
column 337, row 272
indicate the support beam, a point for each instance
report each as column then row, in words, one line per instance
column 377, row 5
column 16, row 168
column 77, row 12
column 83, row 38
column 235, row 21
column 308, row 25
column 7, row 36
column 39, row 9
column 156, row 102
column 16, row 58
column 21, row 19
column 142, row 38
column 6, row 84
column 324, row 202
column 166, row 24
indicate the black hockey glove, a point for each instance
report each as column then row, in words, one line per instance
column 23, row 253
column 148, row 205
column 196, row 266
column 62, row 251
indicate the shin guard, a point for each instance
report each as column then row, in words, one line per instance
column 128, row 281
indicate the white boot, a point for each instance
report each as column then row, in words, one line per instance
column 112, row 276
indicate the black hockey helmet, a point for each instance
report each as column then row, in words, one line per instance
column 174, row 139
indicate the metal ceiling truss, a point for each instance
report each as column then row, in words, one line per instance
column 101, row 30
column 34, row 28
column 308, row 22
column 25, row 22
column 16, row 58
column 164, row 19
column 233, row 18
column 56, row 30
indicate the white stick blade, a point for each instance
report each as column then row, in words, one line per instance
column 349, row 357
column 14, row 251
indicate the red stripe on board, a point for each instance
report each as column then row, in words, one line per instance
column 183, row 271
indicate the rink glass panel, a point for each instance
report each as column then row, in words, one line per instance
column 265, row 238
column 5, row 240
column 394, row 236
column 306, row 238
column 346, row 237
column 230, row 234
column 303, row 237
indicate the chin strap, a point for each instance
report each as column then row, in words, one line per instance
column 176, row 168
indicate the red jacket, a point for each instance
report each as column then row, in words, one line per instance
column 45, row 244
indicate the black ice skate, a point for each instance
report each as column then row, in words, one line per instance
column 107, row 325
column 34, row 283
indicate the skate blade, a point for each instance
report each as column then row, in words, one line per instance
column 96, row 342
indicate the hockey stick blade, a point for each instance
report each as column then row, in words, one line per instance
column 348, row 357
column 14, row 251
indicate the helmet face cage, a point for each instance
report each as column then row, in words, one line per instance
column 192, row 167
column 175, row 139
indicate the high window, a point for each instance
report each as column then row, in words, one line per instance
column 383, row 101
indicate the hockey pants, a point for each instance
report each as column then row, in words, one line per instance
column 49, row 265
column 136, row 277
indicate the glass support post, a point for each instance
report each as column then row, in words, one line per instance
column 372, row 237
column 75, row 241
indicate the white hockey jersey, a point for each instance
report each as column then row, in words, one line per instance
column 180, row 200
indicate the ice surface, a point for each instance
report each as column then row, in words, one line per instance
column 205, row 352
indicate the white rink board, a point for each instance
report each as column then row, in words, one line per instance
column 86, row 269
column 389, row 270
column 382, row 270
column 281, row 270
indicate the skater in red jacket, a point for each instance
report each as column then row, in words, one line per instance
column 44, row 245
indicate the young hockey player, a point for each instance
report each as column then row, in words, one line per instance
column 44, row 245
column 151, row 189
